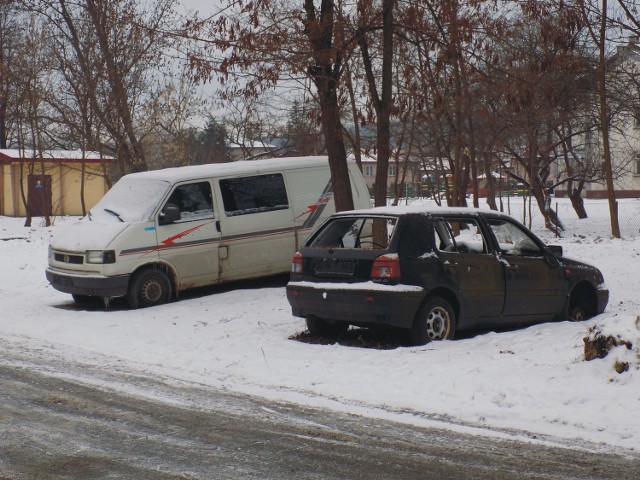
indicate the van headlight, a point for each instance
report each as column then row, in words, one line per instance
column 101, row 256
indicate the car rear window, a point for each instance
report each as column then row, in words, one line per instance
column 367, row 233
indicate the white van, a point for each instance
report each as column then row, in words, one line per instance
column 157, row 233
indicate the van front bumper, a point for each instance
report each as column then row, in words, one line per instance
column 91, row 285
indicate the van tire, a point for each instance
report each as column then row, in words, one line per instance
column 149, row 287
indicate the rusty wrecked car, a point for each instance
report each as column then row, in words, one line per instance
column 436, row 271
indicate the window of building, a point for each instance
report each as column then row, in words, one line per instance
column 368, row 170
column 392, row 170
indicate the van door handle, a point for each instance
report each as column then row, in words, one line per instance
column 218, row 225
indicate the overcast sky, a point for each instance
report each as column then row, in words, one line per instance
column 203, row 6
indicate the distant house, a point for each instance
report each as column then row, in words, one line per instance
column 51, row 184
column 251, row 150
column 624, row 139
column 417, row 175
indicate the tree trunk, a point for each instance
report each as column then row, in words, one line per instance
column 325, row 73
column 491, row 185
column 551, row 220
column 575, row 195
column 604, row 122
column 332, row 126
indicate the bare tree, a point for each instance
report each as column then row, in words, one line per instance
column 30, row 115
column 264, row 42
column 113, row 50
column 380, row 95
column 11, row 33
column 595, row 17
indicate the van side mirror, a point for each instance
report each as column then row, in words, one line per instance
column 169, row 214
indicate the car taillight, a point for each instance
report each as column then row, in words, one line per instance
column 385, row 267
column 296, row 264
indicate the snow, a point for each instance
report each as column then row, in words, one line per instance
column 531, row 383
column 53, row 154
column 131, row 199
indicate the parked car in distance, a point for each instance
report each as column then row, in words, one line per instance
column 436, row 271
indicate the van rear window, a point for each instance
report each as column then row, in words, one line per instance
column 256, row 194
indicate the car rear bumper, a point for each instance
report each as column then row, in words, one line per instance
column 95, row 286
column 357, row 304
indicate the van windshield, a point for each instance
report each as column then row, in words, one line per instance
column 130, row 200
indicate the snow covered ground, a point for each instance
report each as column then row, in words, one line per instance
column 531, row 383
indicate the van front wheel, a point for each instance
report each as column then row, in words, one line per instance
column 148, row 288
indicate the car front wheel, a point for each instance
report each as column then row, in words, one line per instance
column 434, row 321
column 148, row 288
column 582, row 304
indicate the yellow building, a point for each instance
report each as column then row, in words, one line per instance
column 54, row 183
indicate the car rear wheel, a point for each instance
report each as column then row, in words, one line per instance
column 325, row 328
column 148, row 288
column 434, row 321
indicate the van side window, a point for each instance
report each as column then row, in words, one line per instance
column 194, row 201
column 260, row 193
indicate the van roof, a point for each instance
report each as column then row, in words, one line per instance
column 177, row 174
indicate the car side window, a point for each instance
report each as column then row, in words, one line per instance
column 513, row 240
column 459, row 236
column 194, row 200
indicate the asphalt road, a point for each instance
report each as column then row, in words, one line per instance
column 60, row 420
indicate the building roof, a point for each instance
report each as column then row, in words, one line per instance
column 8, row 155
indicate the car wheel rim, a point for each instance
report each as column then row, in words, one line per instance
column 152, row 291
column 438, row 324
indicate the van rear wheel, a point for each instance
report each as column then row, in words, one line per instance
column 148, row 288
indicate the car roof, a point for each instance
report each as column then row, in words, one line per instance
column 424, row 210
